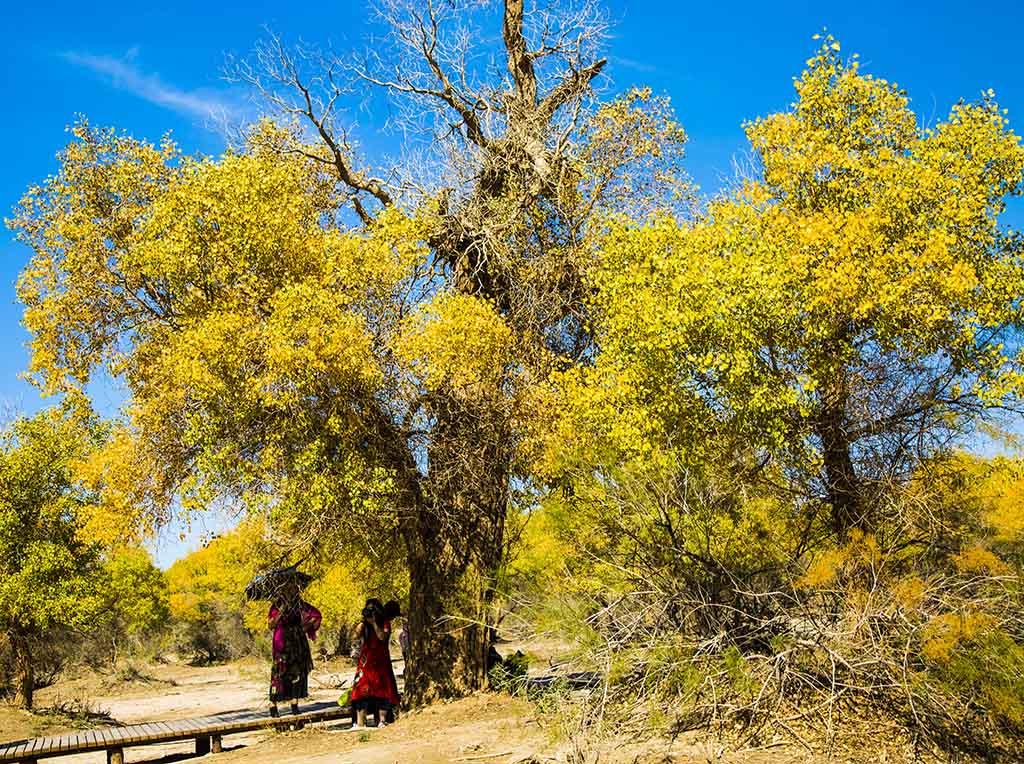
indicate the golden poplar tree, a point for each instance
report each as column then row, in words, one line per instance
column 345, row 350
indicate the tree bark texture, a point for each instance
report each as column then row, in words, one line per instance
column 454, row 546
column 25, row 679
column 842, row 484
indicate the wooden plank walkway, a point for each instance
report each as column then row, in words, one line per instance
column 207, row 731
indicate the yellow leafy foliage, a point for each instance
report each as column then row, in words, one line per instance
column 867, row 248
column 227, row 299
column 909, row 592
column 944, row 632
column 218, row 573
column 860, row 552
column 1003, row 499
column 457, row 341
column 978, row 559
column 120, row 474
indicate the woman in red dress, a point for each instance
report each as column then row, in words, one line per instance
column 375, row 688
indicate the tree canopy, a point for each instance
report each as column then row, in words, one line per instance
column 849, row 311
column 51, row 568
column 357, row 378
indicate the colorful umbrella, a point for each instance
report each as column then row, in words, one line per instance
column 269, row 584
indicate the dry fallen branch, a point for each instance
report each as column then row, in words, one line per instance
column 482, row 756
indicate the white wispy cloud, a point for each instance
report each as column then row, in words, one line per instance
column 124, row 73
column 630, row 63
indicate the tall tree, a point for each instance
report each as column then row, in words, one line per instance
column 135, row 599
column 359, row 378
column 850, row 311
column 51, row 571
column 524, row 163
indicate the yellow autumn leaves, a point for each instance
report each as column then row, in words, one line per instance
column 865, row 243
column 243, row 318
column 458, row 342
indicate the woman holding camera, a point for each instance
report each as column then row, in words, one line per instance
column 374, row 688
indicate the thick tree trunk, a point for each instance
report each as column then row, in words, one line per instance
column 455, row 547
column 25, row 677
column 449, row 613
column 842, row 484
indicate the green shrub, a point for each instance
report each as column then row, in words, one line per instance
column 510, row 674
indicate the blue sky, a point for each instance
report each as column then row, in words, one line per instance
column 156, row 67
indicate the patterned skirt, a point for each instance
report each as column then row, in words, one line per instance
column 289, row 674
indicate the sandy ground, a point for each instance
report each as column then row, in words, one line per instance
column 169, row 692
column 484, row 729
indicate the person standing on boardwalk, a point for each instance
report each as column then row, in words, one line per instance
column 374, row 688
column 294, row 622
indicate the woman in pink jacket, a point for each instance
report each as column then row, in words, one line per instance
column 294, row 623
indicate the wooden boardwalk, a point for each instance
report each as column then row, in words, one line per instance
column 207, row 731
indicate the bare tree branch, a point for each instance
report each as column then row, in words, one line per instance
column 519, row 64
column 278, row 79
column 568, row 89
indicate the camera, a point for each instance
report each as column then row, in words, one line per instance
column 368, row 612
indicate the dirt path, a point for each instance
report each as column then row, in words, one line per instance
column 163, row 692
column 483, row 729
